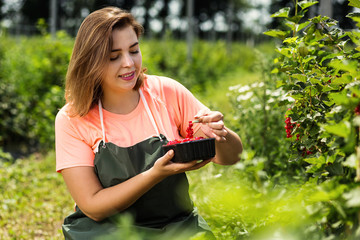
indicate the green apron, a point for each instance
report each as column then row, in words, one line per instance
column 164, row 212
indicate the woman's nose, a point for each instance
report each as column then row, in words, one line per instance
column 127, row 61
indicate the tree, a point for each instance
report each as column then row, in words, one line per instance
column 326, row 8
column 1, row 14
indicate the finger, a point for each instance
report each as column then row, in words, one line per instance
column 213, row 117
column 219, row 125
column 167, row 157
column 199, row 165
column 220, row 133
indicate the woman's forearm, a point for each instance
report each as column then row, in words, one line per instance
column 98, row 202
column 228, row 151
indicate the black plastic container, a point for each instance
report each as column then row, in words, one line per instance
column 193, row 150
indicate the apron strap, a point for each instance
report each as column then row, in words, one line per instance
column 147, row 111
column 102, row 121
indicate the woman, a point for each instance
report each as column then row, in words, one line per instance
column 110, row 132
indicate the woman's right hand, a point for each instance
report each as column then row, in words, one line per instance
column 164, row 167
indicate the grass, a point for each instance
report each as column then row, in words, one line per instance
column 33, row 200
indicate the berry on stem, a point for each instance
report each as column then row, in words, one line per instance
column 189, row 136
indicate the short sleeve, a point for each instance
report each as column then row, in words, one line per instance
column 185, row 105
column 71, row 149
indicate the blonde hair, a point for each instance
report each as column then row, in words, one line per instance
column 90, row 56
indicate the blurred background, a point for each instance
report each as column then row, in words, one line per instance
column 233, row 20
column 284, row 187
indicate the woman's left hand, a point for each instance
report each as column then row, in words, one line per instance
column 213, row 125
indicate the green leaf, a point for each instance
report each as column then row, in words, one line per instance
column 315, row 160
column 350, row 161
column 330, row 56
column 307, row 3
column 355, row 17
column 354, row 3
column 354, row 36
column 285, row 51
column 302, row 25
column 307, row 59
column 353, row 198
column 315, row 80
column 295, row 19
column 300, row 77
column 339, row 98
column 276, row 33
column 341, row 129
column 290, row 40
column 344, row 79
column 284, row 12
column 345, row 65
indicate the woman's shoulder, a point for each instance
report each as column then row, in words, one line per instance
column 65, row 116
column 162, row 83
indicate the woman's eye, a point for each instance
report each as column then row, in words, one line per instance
column 134, row 52
column 113, row 58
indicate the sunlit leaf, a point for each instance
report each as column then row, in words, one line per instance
column 296, row 18
column 354, row 3
column 353, row 198
column 320, row 160
column 355, row 17
column 300, row 77
column 276, row 33
column 344, row 65
column 307, row 3
column 302, row 25
column 284, row 12
column 291, row 40
column 339, row 98
column 341, row 129
column 284, row 51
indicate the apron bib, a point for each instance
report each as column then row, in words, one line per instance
column 163, row 212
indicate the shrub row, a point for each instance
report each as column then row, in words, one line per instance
column 32, row 72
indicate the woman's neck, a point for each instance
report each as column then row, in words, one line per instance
column 123, row 103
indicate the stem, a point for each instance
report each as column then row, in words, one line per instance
column 310, row 100
column 357, row 179
column 301, row 65
column 296, row 13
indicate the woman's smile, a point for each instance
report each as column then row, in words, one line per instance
column 127, row 76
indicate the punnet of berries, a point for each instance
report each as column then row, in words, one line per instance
column 191, row 148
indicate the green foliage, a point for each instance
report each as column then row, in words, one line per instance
column 31, row 73
column 33, row 199
column 318, row 65
column 257, row 110
column 210, row 62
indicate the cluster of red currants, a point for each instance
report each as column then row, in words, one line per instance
column 289, row 127
column 189, row 136
column 189, row 130
column 357, row 109
column 307, row 152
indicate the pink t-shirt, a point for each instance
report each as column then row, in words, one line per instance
column 172, row 107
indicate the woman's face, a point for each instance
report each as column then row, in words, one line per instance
column 125, row 61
